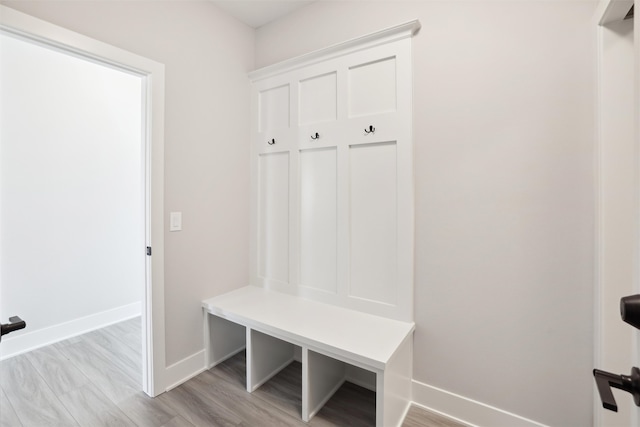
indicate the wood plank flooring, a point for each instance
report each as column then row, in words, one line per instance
column 95, row 380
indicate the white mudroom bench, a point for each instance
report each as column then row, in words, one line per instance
column 270, row 325
column 331, row 226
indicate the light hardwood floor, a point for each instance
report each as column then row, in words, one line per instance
column 94, row 380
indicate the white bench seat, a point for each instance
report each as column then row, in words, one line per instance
column 329, row 336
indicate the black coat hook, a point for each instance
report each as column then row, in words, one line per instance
column 273, row 141
column 316, row 136
column 370, row 130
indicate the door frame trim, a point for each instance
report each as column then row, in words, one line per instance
column 607, row 12
column 612, row 10
column 152, row 74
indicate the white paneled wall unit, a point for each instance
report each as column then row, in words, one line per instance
column 333, row 176
column 332, row 227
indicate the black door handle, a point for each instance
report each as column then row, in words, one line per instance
column 628, row 383
column 15, row 323
column 630, row 310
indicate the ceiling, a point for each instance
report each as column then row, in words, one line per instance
column 256, row 13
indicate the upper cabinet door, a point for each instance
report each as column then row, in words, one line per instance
column 318, row 99
column 274, row 115
column 274, row 108
column 372, row 87
column 319, row 103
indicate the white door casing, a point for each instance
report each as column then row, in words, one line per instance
column 152, row 73
column 617, row 255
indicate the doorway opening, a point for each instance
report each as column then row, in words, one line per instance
column 148, row 77
column 72, row 190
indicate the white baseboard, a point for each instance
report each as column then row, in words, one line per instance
column 465, row 410
column 31, row 340
column 185, row 369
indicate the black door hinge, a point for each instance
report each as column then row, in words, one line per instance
column 148, row 250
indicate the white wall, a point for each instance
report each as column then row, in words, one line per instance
column 503, row 107
column 503, row 133
column 207, row 56
column 71, row 216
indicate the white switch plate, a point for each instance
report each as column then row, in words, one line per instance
column 175, row 221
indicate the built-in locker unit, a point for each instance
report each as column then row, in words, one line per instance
column 333, row 178
column 331, row 224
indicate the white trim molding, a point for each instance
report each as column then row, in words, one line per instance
column 185, row 369
column 464, row 410
column 612, row 10
column 398, row 32
column 610, row 14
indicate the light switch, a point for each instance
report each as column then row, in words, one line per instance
column 175, row 221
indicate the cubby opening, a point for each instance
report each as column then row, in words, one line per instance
column 225, row 339
column 353, row 404
column 325, row 379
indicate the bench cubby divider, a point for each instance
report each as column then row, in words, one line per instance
column 394, row 387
